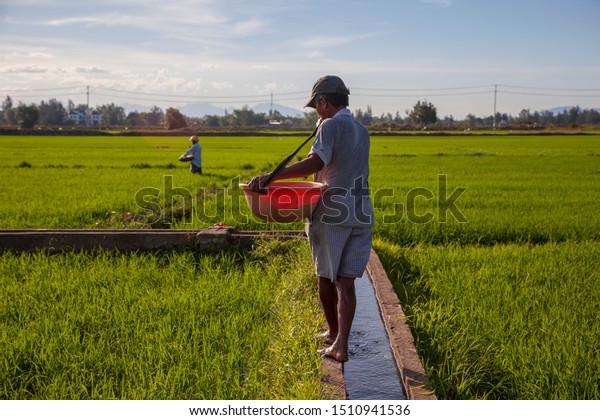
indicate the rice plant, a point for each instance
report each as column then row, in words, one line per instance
column 176, row 325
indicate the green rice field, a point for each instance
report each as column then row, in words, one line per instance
column 492, row 243
column 507, row 321
column 175, row 326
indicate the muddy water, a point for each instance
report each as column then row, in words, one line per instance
column 371, row 372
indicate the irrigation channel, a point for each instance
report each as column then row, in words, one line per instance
column 371, row 372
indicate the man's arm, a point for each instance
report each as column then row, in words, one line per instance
column 304, row 168
column 187, row 156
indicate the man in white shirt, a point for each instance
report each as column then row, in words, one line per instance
column 194, row 156
column 340, row 228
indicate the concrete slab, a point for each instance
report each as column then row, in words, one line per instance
column 333, row 379
column 417, row 385
column 212, row 239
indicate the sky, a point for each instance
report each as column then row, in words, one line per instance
column 463, row 56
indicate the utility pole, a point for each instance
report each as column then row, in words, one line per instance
column 87, row 106
column 271, row 112
column 495, row 94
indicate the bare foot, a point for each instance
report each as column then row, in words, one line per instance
column 337, row 355
column 326, row 337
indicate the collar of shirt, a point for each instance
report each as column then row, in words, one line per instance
column 342, row 112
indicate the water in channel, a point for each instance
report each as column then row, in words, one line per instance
column 370, row 373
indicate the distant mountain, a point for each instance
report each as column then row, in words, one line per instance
column 286, row 111
column 135, row 108
column 201, row 110
column 560, row 109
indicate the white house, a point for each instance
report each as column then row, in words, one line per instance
column 85, row 118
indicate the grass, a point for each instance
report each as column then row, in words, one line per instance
column 506, row 321
column 502, row 301
column 159, row 326
column 88, row 182
column 523, row 190
column 518, row 189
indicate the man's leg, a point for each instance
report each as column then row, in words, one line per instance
column 346, row 308
column 329, row 300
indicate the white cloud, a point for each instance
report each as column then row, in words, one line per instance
column 314, row 54
column 324, row 41
column 39, row 55
column 88, row 20
column 222, row 85
column 27, row 55
column 26, row 69
column 209, row 66
column 248, row 27
column 174, row 20
column 443, row 3
column 91, row 70
column 327, row 41
column 260, row 67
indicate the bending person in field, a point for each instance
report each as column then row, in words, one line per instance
column 194, row 156
column 340, row 228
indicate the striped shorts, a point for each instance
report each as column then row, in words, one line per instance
column 339, row 251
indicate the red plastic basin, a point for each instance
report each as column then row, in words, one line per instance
column 284, row 201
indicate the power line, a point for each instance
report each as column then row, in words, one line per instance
column 563, row 95
column 424, row 89
column 421, row 95
column 169, row 99
column 17, row 90
column 198, row 97
column 552, row 89
column 364, row 92
column 172, row 96
column 54, row 95
column 295, row 96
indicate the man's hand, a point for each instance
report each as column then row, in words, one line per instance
column 257, row 184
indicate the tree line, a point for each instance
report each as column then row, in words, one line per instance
column 423, row 115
